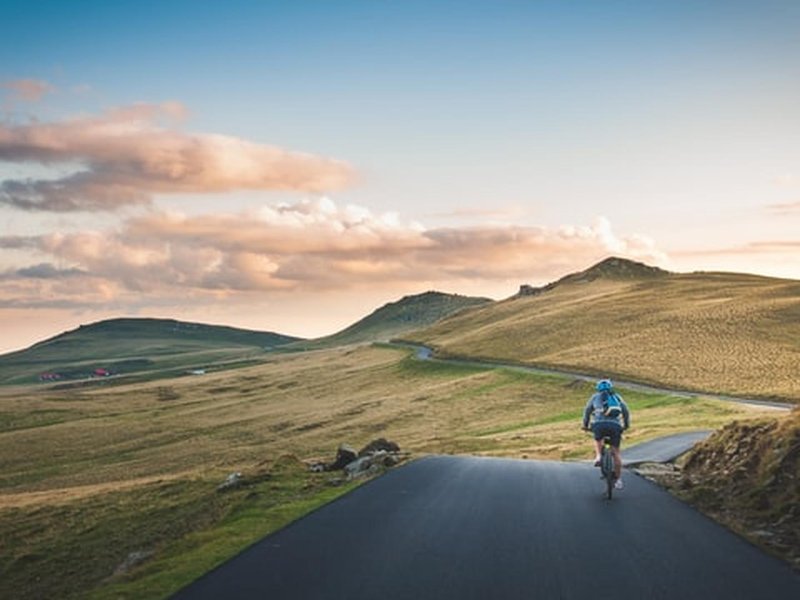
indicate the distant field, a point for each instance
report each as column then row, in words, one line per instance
column 85, row 470
column 727, row 333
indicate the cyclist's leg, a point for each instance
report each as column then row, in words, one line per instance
column 617, row 462
column 598, row 442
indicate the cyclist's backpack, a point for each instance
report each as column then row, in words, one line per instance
column 611, row 405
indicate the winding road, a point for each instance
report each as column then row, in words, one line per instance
column 462, row 528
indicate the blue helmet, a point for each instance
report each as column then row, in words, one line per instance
column 604, row 385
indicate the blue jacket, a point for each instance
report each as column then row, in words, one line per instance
column 594, row 408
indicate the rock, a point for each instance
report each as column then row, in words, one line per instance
column 344, row 456
column 358, row 466
column 381, row 444
column 233, row 481
column 391, row 460
column 366, row 466
column 371, row 464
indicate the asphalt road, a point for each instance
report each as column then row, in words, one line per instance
column 664, row 449
column 477, row 528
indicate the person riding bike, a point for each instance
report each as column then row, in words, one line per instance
column 606, row 423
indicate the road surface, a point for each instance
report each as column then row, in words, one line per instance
column 664, row 449
column 478, row 528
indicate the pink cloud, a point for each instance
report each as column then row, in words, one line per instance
column 131, row 154
column 28, row 90
column 751, row 248
column 785, row 208
column 306, row 246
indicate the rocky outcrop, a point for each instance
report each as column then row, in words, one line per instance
column 344, row 456
column 379, row 454
column 614, row 268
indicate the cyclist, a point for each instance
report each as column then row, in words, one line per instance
column 607, row 424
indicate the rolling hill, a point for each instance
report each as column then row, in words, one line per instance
column 397, row 318
column 170, row 347
column 126, row 346
column 719, row 332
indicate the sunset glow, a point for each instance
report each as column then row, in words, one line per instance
column 292, row 166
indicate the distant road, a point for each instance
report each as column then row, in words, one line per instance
column 663, row 449
column 425, row 353
column 466, row 528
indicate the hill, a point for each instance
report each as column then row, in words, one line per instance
column 723, row 332
column 397, row 318
column 613, row 268
column 125, row 346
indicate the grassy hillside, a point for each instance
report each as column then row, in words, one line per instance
column 134, row 468
column 125, row 346
column 397, row 318
column 722, row 332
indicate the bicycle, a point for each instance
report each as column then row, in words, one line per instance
column 607, row 471
column 607, row 467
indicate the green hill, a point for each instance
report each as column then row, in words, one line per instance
column 397, row 318
column 126, row 346
column 722, row 332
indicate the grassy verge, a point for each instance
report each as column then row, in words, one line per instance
column 169, row 533
column 289, row 493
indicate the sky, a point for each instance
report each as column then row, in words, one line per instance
column 292, row 166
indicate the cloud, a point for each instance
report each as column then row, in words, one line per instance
column 47, row 271
column 785, row 208
column 130, row 154
column 14, row 242
column 498, row 213
column 307, row 246
column 28, row 90
column 751, row 248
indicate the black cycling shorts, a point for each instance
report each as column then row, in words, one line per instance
column 611, row 429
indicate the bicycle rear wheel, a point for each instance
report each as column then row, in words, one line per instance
column 607, row 466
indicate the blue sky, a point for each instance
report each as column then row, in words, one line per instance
column 665, row 130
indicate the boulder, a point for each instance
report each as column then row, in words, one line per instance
column 359, row 466
column 344, row 456
column 371, row 464
column 379, row 445
column 366, row 466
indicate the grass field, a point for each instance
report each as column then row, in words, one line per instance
column 91, row 476
column 727, row 333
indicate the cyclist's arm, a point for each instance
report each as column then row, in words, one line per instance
column 587, row 412
column 626, row 415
